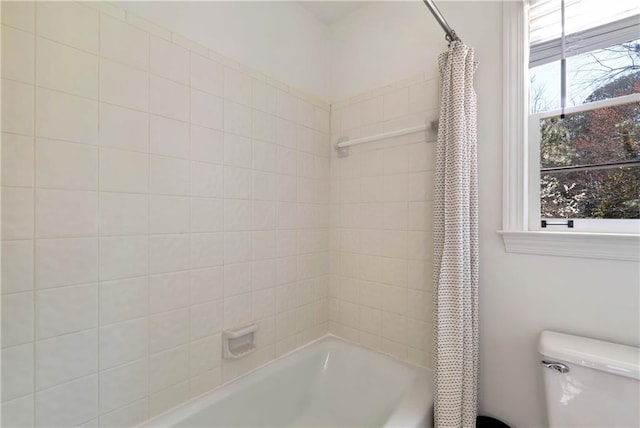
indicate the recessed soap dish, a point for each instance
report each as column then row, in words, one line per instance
column 239, row 342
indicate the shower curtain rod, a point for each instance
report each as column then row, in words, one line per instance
column 451, row 34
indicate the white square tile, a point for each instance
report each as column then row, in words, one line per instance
column 67, row 261
column 286, row 105
column 123, row 342
column 237, row 119
column 206, row 145
column 264, row 97
column 168, row 214
column 66, row 213
column 168, row 253
column 237, row 183
column 123, row 385
column 69, row 404
column 17, row 373
column 371, row 110
column 66, row 69
column 123, row 257
column 206, row 319
column 73, row 24
column 123, row 214
column 263, row 303
column 123, row 300
column 17, row 319
column 18, row 412
column 65, row 358
column 131, row 415
column 205, row 354
column 123, row 128
column 263, row 126
column 168, row 398
column 305, row 113
column 20, row 15
column 237, row 247
column 168, row 330
column 264, row 156
column 124, row 43
column 422, row 157
column 169, row 137
column 123, row 85
column 285, row 243
column 206, row 284
column 264, row 244
column 168, row 176
column 66, row 117
column 207, row 215
column 169, row 60
column 237, row 86
column 122, row 171
column 421, row 185
column 168, row 98
column 17, row 266
column 207, row 180
column 237, row 279
column 168, row 368
column 237, row 311
column 237, row 151
column 396, row 103
column 207, row 249
column 206, row 110
column 17, row 212
column 168, row 291
column 286, row 134
column 207, row 75
column 286, row 161
column 17, row 160
column 423, row 96
column 18, row 57
column 264, row 274
column 19, row 118
column 66, row 310
column 237, row 215
column 265, row 215
column 66, row 165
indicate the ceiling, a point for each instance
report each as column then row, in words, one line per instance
column 331, row 11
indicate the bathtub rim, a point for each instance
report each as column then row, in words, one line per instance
column 410, row 411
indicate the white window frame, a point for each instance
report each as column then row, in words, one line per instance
column 517, row 163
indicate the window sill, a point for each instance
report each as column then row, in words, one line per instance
column 609, row 246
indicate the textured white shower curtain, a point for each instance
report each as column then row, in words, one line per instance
column 455, row 282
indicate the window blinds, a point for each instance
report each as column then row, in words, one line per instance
column 589, row 25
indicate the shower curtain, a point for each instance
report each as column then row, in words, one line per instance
column 455, row 282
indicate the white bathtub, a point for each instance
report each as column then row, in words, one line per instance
column 328, row 383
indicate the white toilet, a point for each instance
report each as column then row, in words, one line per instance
column 590, row 383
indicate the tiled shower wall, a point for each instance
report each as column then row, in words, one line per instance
column 153, row 194
column 381, row 220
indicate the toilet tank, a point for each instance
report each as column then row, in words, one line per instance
column 590, row 383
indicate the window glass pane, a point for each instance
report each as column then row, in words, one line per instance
column 604, row 73
column 590, row 164
column 544, row 89
column 593, row 194
column 595, row 137
column 597, row 75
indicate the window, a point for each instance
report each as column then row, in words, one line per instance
column 592, row 142
column 584, row 155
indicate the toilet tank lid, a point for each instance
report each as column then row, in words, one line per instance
column 609, row 357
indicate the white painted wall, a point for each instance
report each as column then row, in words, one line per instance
column 381, row 43
column 520, row 295
column 281, row 39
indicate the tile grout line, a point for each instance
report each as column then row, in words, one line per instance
column 35, row 266
column 148, row 229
